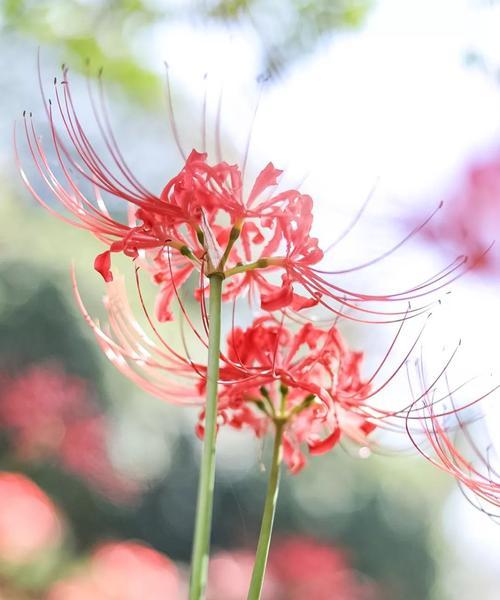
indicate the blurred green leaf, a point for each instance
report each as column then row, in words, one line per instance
column 98, row 33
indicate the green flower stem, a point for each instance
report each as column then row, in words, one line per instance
column 262, row 263
column 266, row 528
column 204, row 506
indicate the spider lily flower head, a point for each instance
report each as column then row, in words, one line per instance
column 309, row 381
column 203, row 220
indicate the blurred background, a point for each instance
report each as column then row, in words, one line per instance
column 397, row 99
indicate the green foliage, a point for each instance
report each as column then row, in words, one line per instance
column 37, row 325
column 230, row 9
column 97, row 33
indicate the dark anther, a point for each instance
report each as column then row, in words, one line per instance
column 261, row 405
column 234, row 234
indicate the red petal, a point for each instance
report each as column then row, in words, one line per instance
column 300, row 302
column 168, row 292
column 102, row 264
column 278, row 298
column 367, row 427
column 200, row 431
column 322, row 446
column 266, row 178
column 293, row 457
column 195, row 156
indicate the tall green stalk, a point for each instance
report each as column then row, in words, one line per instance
column 204, row 506
column 266, row 528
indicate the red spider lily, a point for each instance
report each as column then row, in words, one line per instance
column 202, row 220
column 121, row 571
column 49, row 413
column 29, row 522
column 309, row 379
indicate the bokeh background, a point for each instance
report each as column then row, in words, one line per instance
column 399, row 99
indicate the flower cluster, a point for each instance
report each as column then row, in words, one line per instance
column 303, row 381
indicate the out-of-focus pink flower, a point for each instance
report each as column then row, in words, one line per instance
column 84, row 451
column 307, row 568
column 37, row 403
column 122, row 571
column 29, row 521
column 50, row 413
column 299, row 568
column 470, row 219
column 229, row 576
